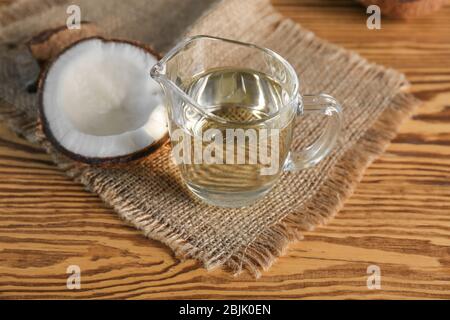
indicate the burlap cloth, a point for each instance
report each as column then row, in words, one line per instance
column 150, row 195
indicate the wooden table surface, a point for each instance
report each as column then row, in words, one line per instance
column 398, row 218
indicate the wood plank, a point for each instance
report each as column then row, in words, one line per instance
column 398, row 218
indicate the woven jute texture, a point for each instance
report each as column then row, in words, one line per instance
column 150, row 195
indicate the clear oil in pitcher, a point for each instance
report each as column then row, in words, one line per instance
column 245, row 99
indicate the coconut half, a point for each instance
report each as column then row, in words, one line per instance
column 98, row 103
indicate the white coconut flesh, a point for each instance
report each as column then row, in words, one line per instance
column 99, row 100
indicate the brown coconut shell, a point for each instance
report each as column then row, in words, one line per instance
column 43, row 126
column 48, row 44
column 406, row 9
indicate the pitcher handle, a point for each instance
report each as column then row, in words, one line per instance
column 313, row 154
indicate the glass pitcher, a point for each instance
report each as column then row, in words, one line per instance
column 231, row 112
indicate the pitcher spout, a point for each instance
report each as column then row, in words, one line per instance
column 158, row 71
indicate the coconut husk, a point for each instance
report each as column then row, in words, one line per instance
column 48, row 44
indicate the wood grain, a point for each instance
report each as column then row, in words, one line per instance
column 398, row 218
